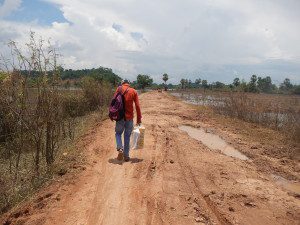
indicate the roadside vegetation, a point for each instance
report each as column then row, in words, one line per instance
column 277, row 111
column 40, row 116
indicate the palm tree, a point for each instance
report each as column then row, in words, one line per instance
column 165, row 78
column 182, row 82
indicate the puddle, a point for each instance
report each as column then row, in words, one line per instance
column 288, row 185
column 213, row 141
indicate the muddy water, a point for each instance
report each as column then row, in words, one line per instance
column 213, row 141
column 286, row 184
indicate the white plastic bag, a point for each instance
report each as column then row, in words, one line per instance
column 140, row 143
column 135, row 137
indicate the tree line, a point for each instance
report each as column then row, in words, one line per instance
column 256, row 84
column 71, row 77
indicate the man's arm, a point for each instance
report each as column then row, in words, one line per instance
column 137, row 107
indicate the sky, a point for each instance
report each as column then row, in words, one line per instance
column 216, row 40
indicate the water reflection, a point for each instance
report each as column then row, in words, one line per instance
column 213, row 141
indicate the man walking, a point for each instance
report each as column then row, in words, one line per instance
column 126, row 125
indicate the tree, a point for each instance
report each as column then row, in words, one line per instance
column 144, row 81
column 286, row 85
column 218, row 85
column 252, row 84
column 182, row 82
column 204, row 84
column 189, row 83
column 100, row 74
column 198, row 82
column 265, row 84
column 165, row 79
column 236, row 82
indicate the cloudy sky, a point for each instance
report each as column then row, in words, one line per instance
column 209, row 39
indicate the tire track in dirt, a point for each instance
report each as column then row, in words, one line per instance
column 204, row 200
column 211, row 215
column 153, row 201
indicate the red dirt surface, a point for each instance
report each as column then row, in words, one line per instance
column 174, row 180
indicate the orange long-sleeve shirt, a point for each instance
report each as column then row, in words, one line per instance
column 130, row 97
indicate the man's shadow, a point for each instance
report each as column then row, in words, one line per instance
column 118, row 162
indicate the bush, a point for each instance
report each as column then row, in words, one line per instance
column 96, row 93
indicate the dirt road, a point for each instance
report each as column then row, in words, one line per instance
column 175, row 179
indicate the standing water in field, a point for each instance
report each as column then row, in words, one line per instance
column 213, row 141
column 198, row 99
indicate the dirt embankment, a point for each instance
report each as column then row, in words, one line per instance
column 175, row 179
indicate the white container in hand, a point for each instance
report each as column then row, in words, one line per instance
column 135, row 137
column 138, row 134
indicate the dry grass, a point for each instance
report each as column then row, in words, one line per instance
column 14, row 190
column 36, row 128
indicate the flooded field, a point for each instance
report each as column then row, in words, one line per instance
column 198, row 99
column 275, row 111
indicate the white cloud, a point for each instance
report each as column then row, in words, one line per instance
column 9, row 6
column 214, row 39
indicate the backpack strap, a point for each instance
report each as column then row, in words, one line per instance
column 125, row 91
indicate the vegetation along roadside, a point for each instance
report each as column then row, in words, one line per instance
column 40, row 117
